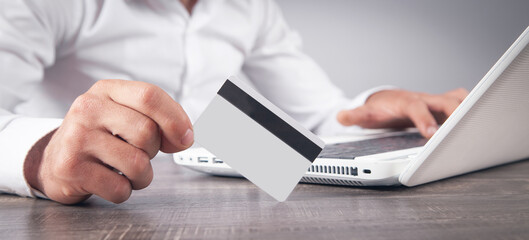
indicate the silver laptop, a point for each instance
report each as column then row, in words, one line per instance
column 489, row 128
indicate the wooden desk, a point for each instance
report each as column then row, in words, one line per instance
column 182, row 204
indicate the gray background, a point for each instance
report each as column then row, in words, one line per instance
column 421, row 45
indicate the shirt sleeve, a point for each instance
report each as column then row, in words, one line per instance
column 292, row 80
column 27, row 47
column 16, row 139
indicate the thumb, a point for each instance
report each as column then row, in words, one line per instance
column 358, row 116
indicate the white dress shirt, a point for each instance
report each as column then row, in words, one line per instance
column 53, row 51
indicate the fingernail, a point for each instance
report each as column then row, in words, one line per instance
column 431, row 130
column 188, row 138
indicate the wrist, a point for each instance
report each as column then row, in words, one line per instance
column 32, row 163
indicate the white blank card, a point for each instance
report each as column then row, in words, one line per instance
column 257, row 139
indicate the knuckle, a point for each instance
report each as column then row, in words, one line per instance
column 140, row 163
column 66, row 164
column 75, row 136
column 453, row 102
column 146, row 179
column 369, row 116
column 181, row 114
column 101, row 84
column 67, row 155
column 178, row 125
column 85, row 104
column 173, row 127
column 409, row 103
column 179, row 107
column 463, row 93
column 122, row 190
column 148, row 95
column 415, row 102
column 69, row 192
column 145, row 133
column 415, row 97
column 344, row 117
column 417, row 109
column 70, row 170
column 459, row 93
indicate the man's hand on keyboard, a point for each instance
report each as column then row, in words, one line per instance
column 106, row 141
column 401, row 109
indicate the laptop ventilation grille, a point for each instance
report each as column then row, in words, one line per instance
column 340, row 170
column 330, row 181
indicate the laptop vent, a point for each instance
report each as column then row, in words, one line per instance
column 340, row 170
column 330, row 181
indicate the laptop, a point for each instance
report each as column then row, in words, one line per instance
column 489, row 128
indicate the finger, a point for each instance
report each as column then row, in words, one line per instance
column 460, row 94
column 421, row 116
column 359, row 116
column 176, row 128
column 446, row 105
column 364, row 116
column 134, row 127
column 103, row 182
column 134, row 163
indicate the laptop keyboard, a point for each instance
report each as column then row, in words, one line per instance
column 350, row 150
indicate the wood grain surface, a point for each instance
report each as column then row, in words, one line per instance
column 183, row 204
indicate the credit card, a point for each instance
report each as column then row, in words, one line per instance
column 257, row 139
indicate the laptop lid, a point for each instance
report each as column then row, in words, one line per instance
column 489, row 127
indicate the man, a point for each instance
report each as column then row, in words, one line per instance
column 52, row 55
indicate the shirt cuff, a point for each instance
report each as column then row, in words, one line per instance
column 331, row 126
column 16, row 139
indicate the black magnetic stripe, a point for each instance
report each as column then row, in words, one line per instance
column 271, row 122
